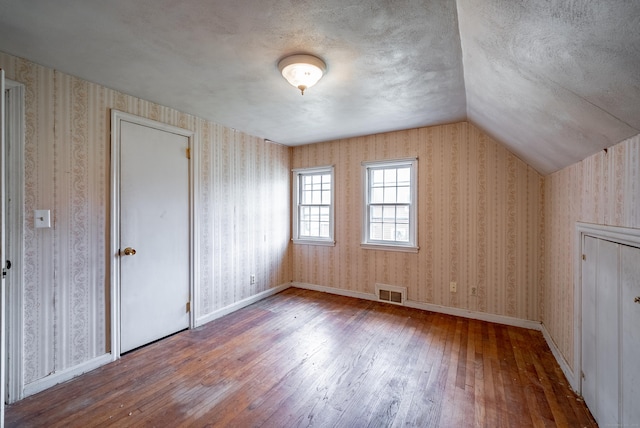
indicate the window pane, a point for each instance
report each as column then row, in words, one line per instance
column 326, row 197
column 376, row 214
column 388, row 232
column 326, row 180
column 324, row 214
column 402, row 232
column 404, row 176
column 316, row 197
column 404, row 195
column 389, row 214
column 324, row 230
column 304, row 228
column 377, row 178
column 315, row 229
column 389, row 195
column 402, row 214
column 377, row 195
column 390, row 177
column 375, row 231
column 305, row 213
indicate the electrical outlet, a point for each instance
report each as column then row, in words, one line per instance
column 453, row 286
column 252, row 279
column 474, row 291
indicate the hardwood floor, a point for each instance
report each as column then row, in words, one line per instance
column 303, row 358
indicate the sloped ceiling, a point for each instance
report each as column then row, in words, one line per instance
column 554, row 81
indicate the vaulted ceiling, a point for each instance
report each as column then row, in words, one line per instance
column 553, row 80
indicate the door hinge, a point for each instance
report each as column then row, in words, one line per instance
column 188, row 152
column 584, row 257
column 582, row 374
column 6, row 267
column 188, row 306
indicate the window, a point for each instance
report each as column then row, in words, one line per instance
column 313, row 206
column 390, row 201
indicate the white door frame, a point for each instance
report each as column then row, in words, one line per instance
column 620, row 235
column 116, row 118
column 3, row 304
column 15, row 234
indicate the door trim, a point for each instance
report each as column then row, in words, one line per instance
column 117, row 117
column 619, row 235
column 15, row 251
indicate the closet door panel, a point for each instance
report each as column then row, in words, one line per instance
column 630, row 335
column 607, row 377
column 589, row 315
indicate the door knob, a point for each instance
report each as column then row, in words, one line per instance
column 129, row 251
column 637, row 299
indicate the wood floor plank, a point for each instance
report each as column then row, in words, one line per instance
column 304, row 358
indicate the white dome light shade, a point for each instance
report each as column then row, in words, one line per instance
column 302, row 71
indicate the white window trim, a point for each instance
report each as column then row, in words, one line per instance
column 412, row 245
column 297, row 172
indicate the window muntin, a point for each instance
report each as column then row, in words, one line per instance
column 313, row 211
column 390, row 203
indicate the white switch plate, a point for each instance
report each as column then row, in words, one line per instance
column 42, row 218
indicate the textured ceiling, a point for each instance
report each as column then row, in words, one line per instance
column 554, row 81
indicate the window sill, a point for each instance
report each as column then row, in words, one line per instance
column 313, row 242
column 387, row 247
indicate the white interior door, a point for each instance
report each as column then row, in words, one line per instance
column 607, row 349
column 611, row 331
column 600, row 315
column 589, row 322
column 630, row 335
column 154, row 234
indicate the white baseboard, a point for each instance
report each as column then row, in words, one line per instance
column 465, row 313
column 65, row 375
column 332, row 290
column 482, row 316
column 239, row 305
column 569, row 374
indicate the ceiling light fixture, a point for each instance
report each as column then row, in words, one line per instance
column 302, row 71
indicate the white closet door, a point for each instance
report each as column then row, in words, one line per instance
column 600, row 343
column 589, row 342
column 630, row 335
column 607, row 333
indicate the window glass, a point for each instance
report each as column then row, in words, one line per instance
column 313, row 197
column 390, row 205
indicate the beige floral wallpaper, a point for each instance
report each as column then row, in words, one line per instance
column 480, row 222
column 243, row 214
column 602, row 189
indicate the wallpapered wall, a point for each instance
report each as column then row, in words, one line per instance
column 480, row 222
column 243, row 213
column 602, row 189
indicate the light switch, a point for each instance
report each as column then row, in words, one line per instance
column 42, row 218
